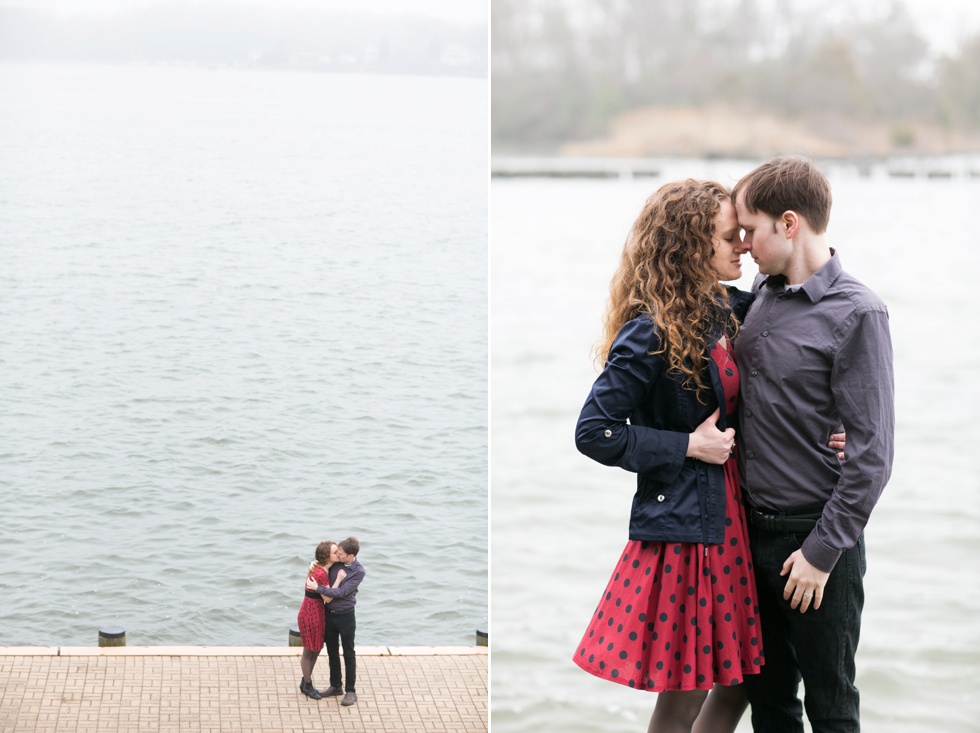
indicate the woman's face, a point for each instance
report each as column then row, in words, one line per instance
column 333, row 553
column 727, row 242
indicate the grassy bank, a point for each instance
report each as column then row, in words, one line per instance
column 722, row 131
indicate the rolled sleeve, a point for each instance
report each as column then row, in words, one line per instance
column 603, row 432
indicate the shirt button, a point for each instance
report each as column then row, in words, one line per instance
column 755, row 372
column 765, row 333
column 608, row 433
column 748, row 414
column 751, row 454
column 661, row 497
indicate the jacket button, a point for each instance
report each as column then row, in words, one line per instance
column 661, row 497
column 608, row 433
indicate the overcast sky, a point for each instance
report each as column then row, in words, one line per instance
column 942, row 21
column 465, row 10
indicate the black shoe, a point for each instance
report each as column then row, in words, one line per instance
column 332, row 691
column 309, row 690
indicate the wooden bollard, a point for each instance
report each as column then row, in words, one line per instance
column 294, row 638
column 482, row 636
column 112, row 636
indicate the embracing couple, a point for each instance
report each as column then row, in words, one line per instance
column 743, row 573
column 327, row 617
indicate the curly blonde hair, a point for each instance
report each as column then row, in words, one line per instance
column 666, row 271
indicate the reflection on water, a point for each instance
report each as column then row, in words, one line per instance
column 559, row 520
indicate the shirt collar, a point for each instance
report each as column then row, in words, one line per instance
column 817, row 285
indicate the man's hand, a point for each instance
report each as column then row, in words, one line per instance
column 708, row 443
column 805, row 584
column 311, row 583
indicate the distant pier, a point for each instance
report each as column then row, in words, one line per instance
column 926, row 168
column 561, row 167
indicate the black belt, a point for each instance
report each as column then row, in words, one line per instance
column 339, row 613
column 313, row 594
column 772, row 521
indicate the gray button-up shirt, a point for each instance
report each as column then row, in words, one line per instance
column 811, row 360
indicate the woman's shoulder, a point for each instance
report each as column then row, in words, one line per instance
column 638, row 338
column 739, row 301
column 320, row 574
column 639, row 334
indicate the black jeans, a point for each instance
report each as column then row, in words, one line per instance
column 340, row 630
column 817, row 646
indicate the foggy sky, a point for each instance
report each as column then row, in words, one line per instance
column 462, row 10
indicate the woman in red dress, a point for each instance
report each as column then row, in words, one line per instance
column 312, row 615
column 679, row 615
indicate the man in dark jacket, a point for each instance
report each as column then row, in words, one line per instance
column 341, row 625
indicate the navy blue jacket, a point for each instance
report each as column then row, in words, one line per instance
column 638, row 417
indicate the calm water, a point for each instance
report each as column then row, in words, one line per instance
column 242, row 312
column 559, row 520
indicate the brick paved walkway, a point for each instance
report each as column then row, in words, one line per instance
column 225, row 689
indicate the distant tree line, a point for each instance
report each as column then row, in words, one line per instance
column 244, row 35
column 563, row 69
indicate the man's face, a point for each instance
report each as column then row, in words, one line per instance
column 727, row 242
column 768, row 246
column 341, row 555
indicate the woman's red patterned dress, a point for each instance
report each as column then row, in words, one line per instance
column 681, row 616
column 312, row 618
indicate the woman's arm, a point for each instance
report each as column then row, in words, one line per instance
column 340, row 576
column 604, row 432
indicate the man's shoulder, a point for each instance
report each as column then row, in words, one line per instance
column 861, row 297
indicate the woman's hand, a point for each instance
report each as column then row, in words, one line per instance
column 311, row 583
column 836, row 442
column 341, row 574
column 709, row 444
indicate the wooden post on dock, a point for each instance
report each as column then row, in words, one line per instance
column 112, row 636
column 482, row 636
column 294, row 638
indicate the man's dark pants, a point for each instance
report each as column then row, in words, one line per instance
column 817, row 646
column 340, row 630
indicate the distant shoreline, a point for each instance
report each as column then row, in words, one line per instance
column 723, row 132
column 426, row 73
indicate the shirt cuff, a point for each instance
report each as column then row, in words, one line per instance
column 819, row 555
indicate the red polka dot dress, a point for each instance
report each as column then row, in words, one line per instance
column 681, row 616
column 312, row 617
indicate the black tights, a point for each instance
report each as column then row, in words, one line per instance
column 307, row 662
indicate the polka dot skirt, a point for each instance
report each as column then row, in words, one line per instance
column 312, row 617
column 680, row 616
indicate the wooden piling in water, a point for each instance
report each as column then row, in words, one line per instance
column 112, row 636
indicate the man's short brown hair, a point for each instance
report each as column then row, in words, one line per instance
column 788, row 183
column 350, row 546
